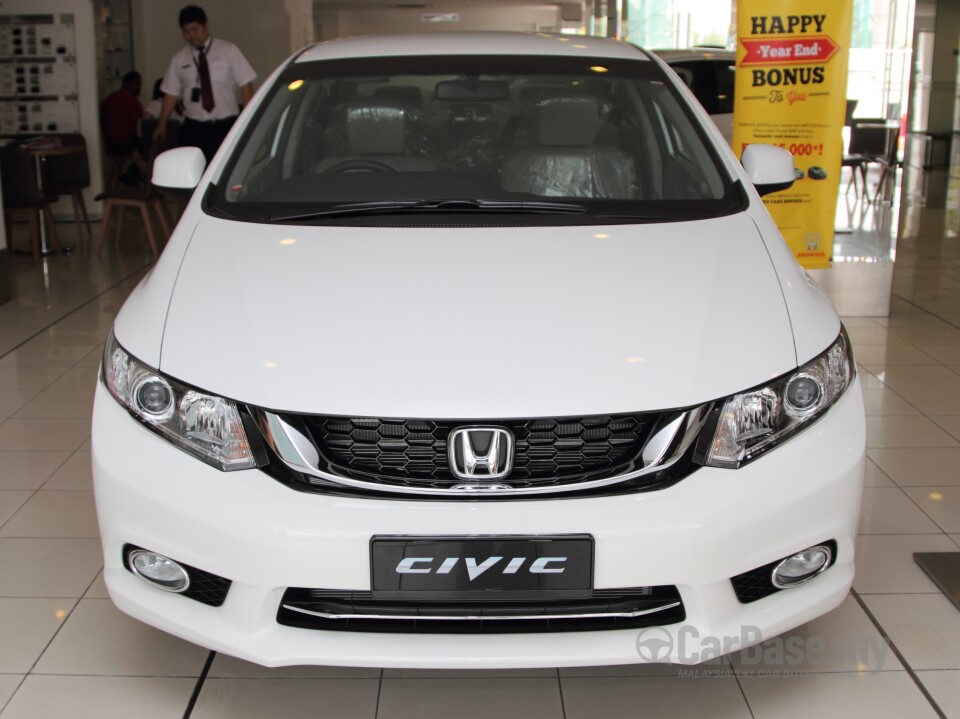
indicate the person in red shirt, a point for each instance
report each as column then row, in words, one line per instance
column 120, row 114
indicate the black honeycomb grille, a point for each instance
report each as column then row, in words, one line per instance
column 548, row 451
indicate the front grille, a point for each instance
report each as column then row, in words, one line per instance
column 205, row 587
column 304, row 608
column 548, row 451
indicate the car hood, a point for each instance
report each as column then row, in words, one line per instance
column 477, row 322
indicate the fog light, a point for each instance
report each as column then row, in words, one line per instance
column 801, row 567
column 159, row 571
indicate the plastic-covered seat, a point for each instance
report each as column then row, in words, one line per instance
column 375, row 139
column 565, row 162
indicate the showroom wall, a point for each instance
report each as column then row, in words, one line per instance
column 360, row 21
column 263, row 31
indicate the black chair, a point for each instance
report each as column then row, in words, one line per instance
column 69, row 175
column 874, row 140
column 22, row 193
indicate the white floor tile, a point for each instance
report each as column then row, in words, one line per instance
column 885, row 563
column 13, row 400
column 48, row 567
column 226, row 667
column 8, row 685
column 885, row 694
column 944, row 687
column 54, row 514
column 713, row 668
column 925, row 627
column 928, row 467
column 56, row 435
column 97, row 590
column 100, row 698
column 99, row 639
column 951, row 423
column 84, row 379
column 470, row 698
column 899, row 377
column 941, row 504
column 879, row 402
column 289, row 698
column 27, row 625
column 932, row 400
column 887, row 510
column 613, row 698
column 75, row 474
column 843, row 640
column 876, row 477
column 15, row 377
column 10, row 502
column 28, row 470
column 903, row 432
column 61, row 405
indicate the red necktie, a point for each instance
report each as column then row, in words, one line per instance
column 206, row 89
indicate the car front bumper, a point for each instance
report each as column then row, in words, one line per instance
column 265, row 537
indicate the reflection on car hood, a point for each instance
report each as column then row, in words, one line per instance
column 477, row 322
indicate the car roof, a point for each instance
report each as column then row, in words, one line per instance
column 696, row 53
column 471, row 43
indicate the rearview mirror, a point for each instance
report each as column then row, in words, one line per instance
column 490, row 90
column 179, row 169
column 770, row 168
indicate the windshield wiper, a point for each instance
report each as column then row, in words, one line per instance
column 355, row 209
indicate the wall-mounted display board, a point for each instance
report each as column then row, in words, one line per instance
column 38, row 74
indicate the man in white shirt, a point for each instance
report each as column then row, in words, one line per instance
column 206, row 76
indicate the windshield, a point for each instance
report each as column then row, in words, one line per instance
column 493, row 134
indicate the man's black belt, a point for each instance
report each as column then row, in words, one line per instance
column 211, row 122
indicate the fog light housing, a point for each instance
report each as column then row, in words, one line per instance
column 801, row 567
column 159, row 571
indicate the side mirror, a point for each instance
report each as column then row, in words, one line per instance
column 770, row 168
column 179, row 169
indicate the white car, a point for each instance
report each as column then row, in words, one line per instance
column 477, row 350
column 710, row 73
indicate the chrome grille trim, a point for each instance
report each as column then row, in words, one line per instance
column 667, row 445
column 485, row 617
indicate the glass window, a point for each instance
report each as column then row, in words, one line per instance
column 611, row 136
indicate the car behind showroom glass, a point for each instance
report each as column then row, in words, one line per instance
column 542, row 139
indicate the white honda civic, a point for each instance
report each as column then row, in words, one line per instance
column 477, row 350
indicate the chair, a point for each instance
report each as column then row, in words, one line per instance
column 22, row 193
column 69, row 175
column 142, row 198
column 566, row 162
column 875, row 142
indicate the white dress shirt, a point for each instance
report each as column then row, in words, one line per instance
column 229, row 71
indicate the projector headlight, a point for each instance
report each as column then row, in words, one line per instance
column 204, row 425
column 754, row 422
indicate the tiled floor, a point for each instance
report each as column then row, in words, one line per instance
column 892, row 648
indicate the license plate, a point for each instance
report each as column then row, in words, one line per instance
column 481, row 567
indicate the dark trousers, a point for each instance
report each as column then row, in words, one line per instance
column 205, row 135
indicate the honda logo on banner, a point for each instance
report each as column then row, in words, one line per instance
column 480, row 453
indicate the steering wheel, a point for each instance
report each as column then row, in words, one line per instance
column 360, row 164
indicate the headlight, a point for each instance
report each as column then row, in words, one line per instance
column 204, row 425
column 752, row 422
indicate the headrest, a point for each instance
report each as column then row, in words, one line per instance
column 568, row 120
column 406, row 95
column 375, row 127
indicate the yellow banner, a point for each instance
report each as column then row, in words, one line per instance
column 791, row 91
